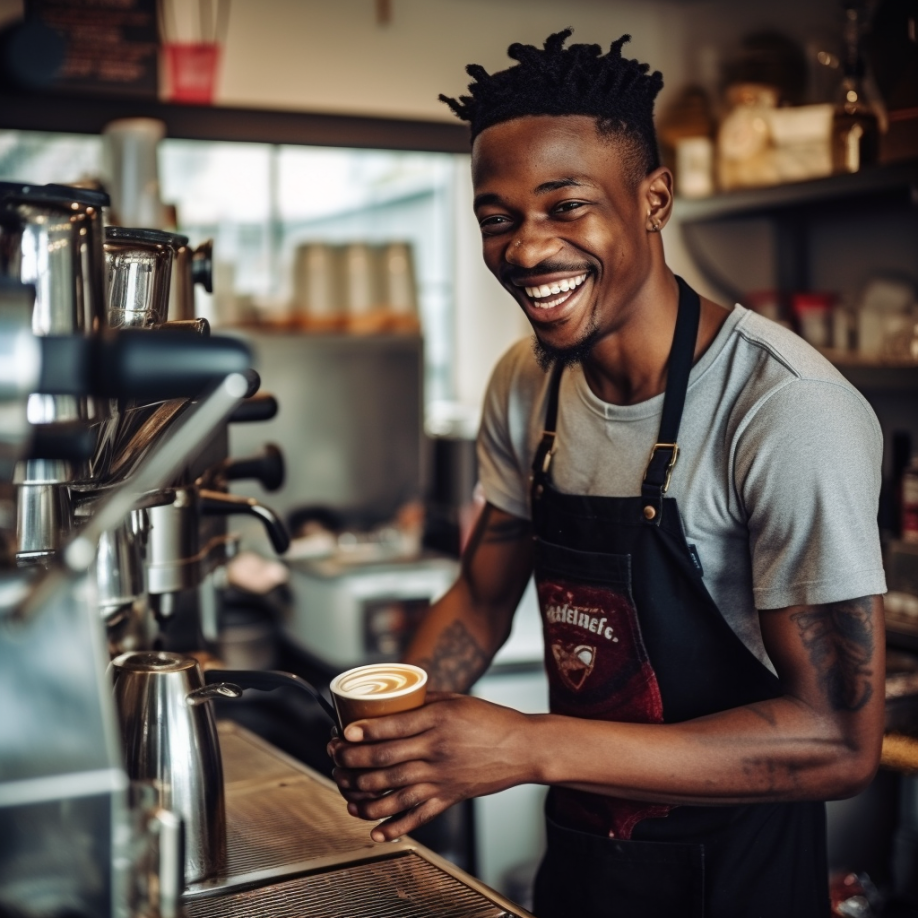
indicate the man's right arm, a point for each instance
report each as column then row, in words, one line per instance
column 462, row 632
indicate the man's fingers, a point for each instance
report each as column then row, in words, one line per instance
column 393, row 726
column 348, row 789
column 374, row 783
column 405, row 823
column 390, row 805
column 380, row 755
column 397, row 726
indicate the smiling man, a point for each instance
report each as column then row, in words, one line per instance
column 695, row 491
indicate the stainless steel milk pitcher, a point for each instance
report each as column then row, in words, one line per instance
column 169, row 736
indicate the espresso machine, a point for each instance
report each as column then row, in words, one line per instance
column 106, row 414
column 72, row 840
column 157, row 559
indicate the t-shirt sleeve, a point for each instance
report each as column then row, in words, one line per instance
column 502, row 469
column 808, row 472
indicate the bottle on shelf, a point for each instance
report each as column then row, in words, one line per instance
column 855, row 124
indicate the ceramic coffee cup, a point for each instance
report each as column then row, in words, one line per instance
column 378, row 689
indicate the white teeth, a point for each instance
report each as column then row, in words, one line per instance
column 547, row 304
column 544, row 290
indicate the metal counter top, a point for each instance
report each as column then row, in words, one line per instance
column 294, row 851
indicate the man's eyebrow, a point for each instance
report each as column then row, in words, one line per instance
column 545, row 187
column 487, row 198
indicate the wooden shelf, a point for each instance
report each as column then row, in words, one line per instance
column 70, row 113
column 796, row 211
column 871, row 375
column 893, row 182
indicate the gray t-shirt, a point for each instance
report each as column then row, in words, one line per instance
column 778, row 476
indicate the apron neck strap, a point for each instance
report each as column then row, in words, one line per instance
column 542, row 460
column 665, row 451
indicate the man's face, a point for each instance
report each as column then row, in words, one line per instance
column 563, row 229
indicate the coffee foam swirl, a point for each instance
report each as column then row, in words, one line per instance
column 379, row 680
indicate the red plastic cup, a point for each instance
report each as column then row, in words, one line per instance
column 192, row 71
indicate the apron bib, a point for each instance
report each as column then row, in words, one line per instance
column 632, row 635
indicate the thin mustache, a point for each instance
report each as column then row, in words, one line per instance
column 517, row 276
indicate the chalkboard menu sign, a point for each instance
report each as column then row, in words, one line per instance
column 112, row 45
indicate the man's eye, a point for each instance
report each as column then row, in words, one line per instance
column 495, row 224
column 567, row 206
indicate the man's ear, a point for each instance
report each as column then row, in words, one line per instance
column 657, row 194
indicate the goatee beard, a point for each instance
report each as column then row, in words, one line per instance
column 547, row 356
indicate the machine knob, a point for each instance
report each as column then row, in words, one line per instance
column 267, row 468
column 262, row 407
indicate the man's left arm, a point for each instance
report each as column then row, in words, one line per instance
column 820, row 739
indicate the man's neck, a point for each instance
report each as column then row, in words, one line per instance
column 629, row 365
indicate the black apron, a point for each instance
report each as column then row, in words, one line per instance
column 632, row 635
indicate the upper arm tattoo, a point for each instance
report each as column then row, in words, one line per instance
column 489, row 531
column 456, row 661
column 839, row 639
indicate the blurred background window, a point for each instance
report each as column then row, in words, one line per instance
column 259, row 202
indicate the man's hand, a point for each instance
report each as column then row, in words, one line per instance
column 408, row 768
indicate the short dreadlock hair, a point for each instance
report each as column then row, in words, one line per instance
column 578, row 80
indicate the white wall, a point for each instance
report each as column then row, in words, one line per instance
column 326, row 56
column 317, row 55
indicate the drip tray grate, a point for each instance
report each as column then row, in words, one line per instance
column 288, row 822
column 404, row 886
column 245, row 760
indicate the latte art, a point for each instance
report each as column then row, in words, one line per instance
column 377, row 690
column 380, row 680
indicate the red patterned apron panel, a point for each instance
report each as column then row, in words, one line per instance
column 598, row 669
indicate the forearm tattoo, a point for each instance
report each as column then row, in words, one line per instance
column 456, row 661
column 839, row 639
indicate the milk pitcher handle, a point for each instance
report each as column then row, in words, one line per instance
column 267, row 681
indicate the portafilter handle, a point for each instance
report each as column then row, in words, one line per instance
column 219, row 503
column 267, row 681
column 261, row 407
column 266, row 468
column 139, row 364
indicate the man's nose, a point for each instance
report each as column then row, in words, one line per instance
column 530, row 247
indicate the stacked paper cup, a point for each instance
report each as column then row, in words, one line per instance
column 315, row 287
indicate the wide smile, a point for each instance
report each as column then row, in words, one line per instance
column 546, row 300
